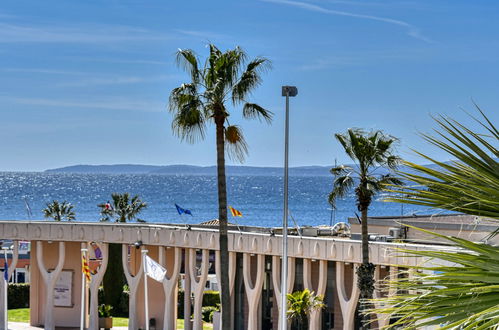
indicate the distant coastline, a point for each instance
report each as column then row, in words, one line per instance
column 190, row 170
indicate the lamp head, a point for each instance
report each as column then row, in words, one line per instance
column 137, row 244
column 289, row 91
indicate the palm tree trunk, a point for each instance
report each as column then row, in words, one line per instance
column 365, row 274
column 365, row 238
column 222, row 218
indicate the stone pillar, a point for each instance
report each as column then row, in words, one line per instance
column 49, row 280
column 232, row 277
column 170, row 287
column 348, row 304
column 253, row 290
column 187, row 291
column 12, row 267
column 276, row 281
column 315, row 316
column 133, row 284
column 198, row 284
column 95, row 282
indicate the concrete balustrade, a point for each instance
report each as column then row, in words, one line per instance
column 56, row 243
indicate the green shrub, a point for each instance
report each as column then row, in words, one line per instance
column 207, row 312
column 18, row 295
column 210, row 298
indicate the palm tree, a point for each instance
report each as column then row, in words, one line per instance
column 465, row 296
column 123, row 208
column 301, row 304
column 369, row 151
column 226, row 77
column 59, row 211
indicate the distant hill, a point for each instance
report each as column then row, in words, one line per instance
column 205, row 170
column 191, row 170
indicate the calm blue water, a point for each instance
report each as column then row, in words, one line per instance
column 259, row 198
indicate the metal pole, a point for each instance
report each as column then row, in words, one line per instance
column 83, row 290
column 146, row 300
column 284, row 268
column 6, row 292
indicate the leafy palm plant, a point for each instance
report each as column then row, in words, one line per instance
column 59, row 211
column 470, row 183
column 225, row 78
column 123, row 208
column 369, row 151
column 301, row 304
column 464, row 295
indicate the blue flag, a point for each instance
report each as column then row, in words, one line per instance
column 181, row 210
column 6, row 270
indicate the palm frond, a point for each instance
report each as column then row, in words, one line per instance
column 253, row 110
column 455, row 289
column 235, row 144
column 250, row 79
column 470, row 184
column 341, row 186
column 187, row 60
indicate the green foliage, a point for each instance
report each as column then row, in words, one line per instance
column 301, row 304
column 114, row 280
column 18, row 295
column 460, row 290
column 210, row 299
column 470, row 183
column 462, row 294
column 59, row 211
column 207, row 312
column 121, row 309
column 369, row 151
column 123, row 208
column 226, row 77
column 105, row 310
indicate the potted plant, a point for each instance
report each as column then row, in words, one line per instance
column 105, row 318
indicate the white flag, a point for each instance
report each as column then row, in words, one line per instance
column 154, row 270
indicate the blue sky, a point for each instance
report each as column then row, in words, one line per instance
column 86, row 82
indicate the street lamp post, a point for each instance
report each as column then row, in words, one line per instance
column 287, row 91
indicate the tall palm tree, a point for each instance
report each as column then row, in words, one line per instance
column 59, row 211
column 466, row 295
column 369, row 151
column 225, row 78
column 123, row 208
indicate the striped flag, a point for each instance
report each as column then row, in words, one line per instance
column 235, row 213
column 85, row 269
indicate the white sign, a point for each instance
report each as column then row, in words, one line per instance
column 63, row 290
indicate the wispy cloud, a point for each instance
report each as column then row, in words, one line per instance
column 411, row 29
column 107, row 104
column 44, row 71
column 202, row 34
column 118, row 80
column 17, row 33
column 363, row 58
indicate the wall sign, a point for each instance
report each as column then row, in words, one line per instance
column 63, row 290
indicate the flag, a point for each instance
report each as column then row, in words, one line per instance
column 181, row 210
column 235, row 213
column 6, row 269
column 97, row 251
column 85, row 269
column 153, row 269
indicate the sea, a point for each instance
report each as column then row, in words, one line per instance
column 258, row 197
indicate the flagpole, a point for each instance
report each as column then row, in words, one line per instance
column 146, row 304
column 83, row 290
column 6, row 288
